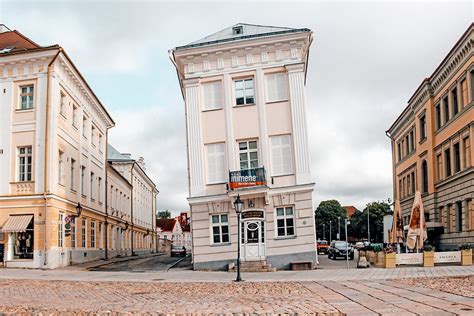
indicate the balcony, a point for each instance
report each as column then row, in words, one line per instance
column 247, row 178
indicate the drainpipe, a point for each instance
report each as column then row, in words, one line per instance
column 106, row 194
column 393, row 164
column 131, row 206
column 46, row 127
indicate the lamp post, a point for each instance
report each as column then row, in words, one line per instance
column 346, row 221
column 330, row 231
column 368, row 224
column 78, row 209
column 238, row 204
column 338, row 228
column 324, row 231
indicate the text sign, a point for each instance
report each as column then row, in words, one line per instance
column 409, row 258
column 447, row 257
column 252, row 214
column 247, row 178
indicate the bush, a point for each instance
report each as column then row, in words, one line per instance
column 428, row 248
column 377, row 248
column 465, row 247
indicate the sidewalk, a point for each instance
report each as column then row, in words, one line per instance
column 102, row 262
column 79, row 274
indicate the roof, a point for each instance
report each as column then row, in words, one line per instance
column 12, row 41
column 114, row 155
column 166, row 225
column 350, row 209
column 248, row 31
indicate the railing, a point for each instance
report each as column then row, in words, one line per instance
column 247, row 178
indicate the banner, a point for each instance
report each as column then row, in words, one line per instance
column 417, row 229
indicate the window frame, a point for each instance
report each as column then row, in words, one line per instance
column 248, row 151
column 285, row 217
column 61, row 230
column 29, row 95
column 219, row 224
column 23, row 175
column 282, row 147
column 244, row 89
column 84, row 233
column 216, row 155
column 211, row 85
column 279, row 98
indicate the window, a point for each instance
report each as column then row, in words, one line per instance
column 447, row 162
column 100, row 142
column 276, row 87
column 413, row 181
column 244, row 92
column 73, row 233
column 450, row 218
column 60, row 230
column 220, row 228
column 281, row 155
column 212, row 95
column 248, row 154
column 84, row 233
column 457, row 158
column 440, row 215
column 74, row 116
column 454, row 99
column 446, row 109
column 26, row 97
column 83, row 180
column 25, row 157
column 84, row 125
column 216, row 163
column 464, row 96
column 412, row 141
column 91, row 188
column 101, row 240
column 424, row 174
column 73, row 167
column 237, row 30
column 60, row 168
column 407, row 144
column 439, row 169
column 62, row 104
column 399, row 150
column 459, row 216
column 400, row 192
column 99, row 189
column 438, row 116
column 285, row 219
column 92, row 234
column 422, row 127
column 466, row 144
column 93, row 135
column 470, row 214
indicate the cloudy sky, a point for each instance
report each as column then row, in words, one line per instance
column 366, row 61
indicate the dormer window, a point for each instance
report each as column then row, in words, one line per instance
column 236, row 30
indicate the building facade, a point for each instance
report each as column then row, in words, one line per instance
column 177, row 230
column 53, row 169
column 244, row 92
column 432, row 149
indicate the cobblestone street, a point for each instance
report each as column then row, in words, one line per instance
column 358, row 297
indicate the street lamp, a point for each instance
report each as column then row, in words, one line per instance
column 239, row 205
column 330, row 231
column 324, row 231
column 78, row 209
column 338, row 228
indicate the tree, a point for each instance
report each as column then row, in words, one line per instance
column 164, row 214
column 329, row 211
column 358, row 226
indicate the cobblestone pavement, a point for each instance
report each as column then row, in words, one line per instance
column 360, row 297
column 456, row 285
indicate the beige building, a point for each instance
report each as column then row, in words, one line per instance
column 177, row 230
column 432, row 148
column 244, row 92
column 53, row 136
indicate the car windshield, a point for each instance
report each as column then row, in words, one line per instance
column 177, row 247
column 323, row 242
column 340, row 244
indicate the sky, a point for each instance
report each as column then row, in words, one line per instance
column 366, row 61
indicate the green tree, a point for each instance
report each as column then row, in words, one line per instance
column 163, row 214
column 326, row 212
column 358, row 226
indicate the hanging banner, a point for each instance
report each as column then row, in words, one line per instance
column 417, row 228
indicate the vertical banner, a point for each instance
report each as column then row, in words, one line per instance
column 417, row 228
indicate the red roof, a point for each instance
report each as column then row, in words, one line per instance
column 166, row 225
column 17, row 41
column 350, row 210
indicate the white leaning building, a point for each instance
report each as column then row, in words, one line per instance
column 244, row 92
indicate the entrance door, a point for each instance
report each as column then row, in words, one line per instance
column 253, row 240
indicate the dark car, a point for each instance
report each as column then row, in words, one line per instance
column 339, row 249
column 178, row 251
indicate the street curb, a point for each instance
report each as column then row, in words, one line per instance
column 171, row 266
column 119, row 260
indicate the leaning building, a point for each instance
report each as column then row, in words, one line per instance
column 244, row 93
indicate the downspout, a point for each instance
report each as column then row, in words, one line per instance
column 393, row 165
column 46, row 127
column 106, row 193
column 131, row 209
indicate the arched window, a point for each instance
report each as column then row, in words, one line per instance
column 424, row 174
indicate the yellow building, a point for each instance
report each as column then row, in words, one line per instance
column 53, row 149
column 432, row 149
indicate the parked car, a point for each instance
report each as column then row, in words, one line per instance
column 339, row 249
column 322, row 246
column 178, row 251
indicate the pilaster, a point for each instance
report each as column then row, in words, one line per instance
column 262, row 119
column 296, row 78
column 229, row 125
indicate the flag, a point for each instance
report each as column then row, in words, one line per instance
column 417, row 227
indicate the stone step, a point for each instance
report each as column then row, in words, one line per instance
column 252, row 266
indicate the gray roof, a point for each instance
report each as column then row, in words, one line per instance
column 114, row 155
column 249, row 31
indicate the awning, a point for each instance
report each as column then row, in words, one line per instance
column 17, row 223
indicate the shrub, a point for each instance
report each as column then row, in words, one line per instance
column 428, row 248
column 465, row 247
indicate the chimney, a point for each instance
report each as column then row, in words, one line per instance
column 141, row 162
column 4, row 28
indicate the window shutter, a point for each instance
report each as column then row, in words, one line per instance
column 271, row 87
column 281, row 155
column 215, row 163
column 212, row 95
column 277, row 87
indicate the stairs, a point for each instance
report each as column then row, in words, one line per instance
column 252, row 266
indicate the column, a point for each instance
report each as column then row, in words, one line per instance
column 296, row 78
column 194, row 137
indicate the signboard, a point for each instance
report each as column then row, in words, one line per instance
column 447, row 257
column 252, row 214
column 409, row 258
column 69, row 219
column 247, row 178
